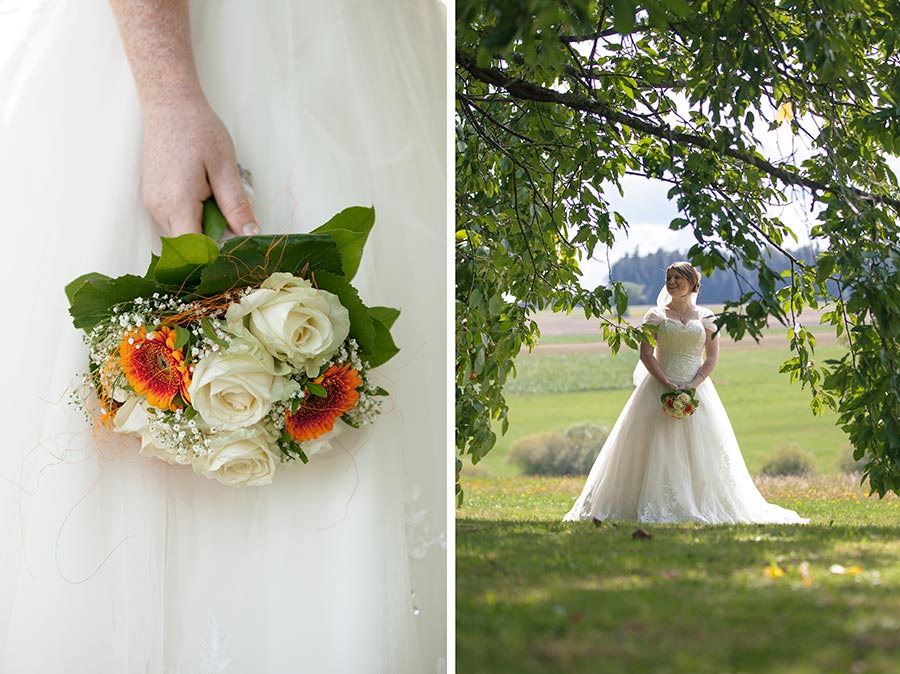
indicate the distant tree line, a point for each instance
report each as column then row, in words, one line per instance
column 643, row 275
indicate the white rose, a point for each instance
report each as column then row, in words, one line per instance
column 132, row 417
column 296, row 322
column 241, row 458
column 237, row 387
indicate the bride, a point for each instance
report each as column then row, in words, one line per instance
column 656, row 468
column 115, row 564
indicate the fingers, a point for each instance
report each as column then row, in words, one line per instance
column 187, row 219
column 229, row 192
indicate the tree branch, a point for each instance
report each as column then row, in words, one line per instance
column 524, row 90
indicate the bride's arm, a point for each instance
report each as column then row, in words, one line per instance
column 653, row 366
column 187, row 153
column 709, row 364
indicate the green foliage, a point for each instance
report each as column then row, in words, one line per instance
column 350, row 229
column 250, row 260
column 557, row 102
column 183, row 257
column 195, row 265
column 384, row 347
column 93, row 297
column 570, row 451
column 214, row 222
column 789, row 460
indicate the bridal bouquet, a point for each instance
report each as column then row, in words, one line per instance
column 679, row 403
column 237, row 359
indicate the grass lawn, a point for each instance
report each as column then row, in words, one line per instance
column 535, row 595
column 553, row 390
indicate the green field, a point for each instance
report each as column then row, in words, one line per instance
column 538, row 596
column 570, row 384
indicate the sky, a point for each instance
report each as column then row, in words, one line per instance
column 648, row 212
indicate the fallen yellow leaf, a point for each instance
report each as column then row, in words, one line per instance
column 773, row 571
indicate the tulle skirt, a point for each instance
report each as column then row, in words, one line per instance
column 654, row 468
column 113, row 564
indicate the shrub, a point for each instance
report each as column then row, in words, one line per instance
column 570, row 451
column 789, row 460
column 851, row 465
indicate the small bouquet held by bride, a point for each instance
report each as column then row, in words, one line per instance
column 241, row 358
column 679, row 403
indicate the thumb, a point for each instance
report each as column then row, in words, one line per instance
column 229, row 193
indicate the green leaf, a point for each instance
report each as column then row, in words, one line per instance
column 154, row 260
column 350, row 229
column 316, row 389
column 250, row 260
column 183, row 257
column 93, row 300
column 214, row 223
column 386, row 315
column 678, row 7
column 385, row 348
column 75, row 285
column 361, row 324
column 623, row 13
column 182, row 337
column 207, row 327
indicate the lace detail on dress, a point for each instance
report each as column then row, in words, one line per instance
column 680, row 349
column 665, row 509
column 420, row 535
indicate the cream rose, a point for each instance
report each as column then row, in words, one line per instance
column 294, row 321
column 240, row 458
column 237, row 387
column 132, row 417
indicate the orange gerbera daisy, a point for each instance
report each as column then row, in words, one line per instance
column 154, row 367
column 316, row 415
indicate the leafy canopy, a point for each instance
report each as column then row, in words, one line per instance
column 558, row 101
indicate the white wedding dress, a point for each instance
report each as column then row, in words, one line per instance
column 654, row 468
column 111, row 564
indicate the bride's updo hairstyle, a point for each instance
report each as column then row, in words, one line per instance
column 686, row 269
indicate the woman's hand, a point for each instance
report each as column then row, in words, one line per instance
column 188, row 156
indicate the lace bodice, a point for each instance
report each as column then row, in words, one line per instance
column 679, row 346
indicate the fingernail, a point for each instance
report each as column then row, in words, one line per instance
column 250, row 229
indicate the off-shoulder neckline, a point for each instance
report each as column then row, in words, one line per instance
column 700, row 316
column 680, row 322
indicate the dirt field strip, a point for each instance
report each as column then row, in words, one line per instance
column 560, row 325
